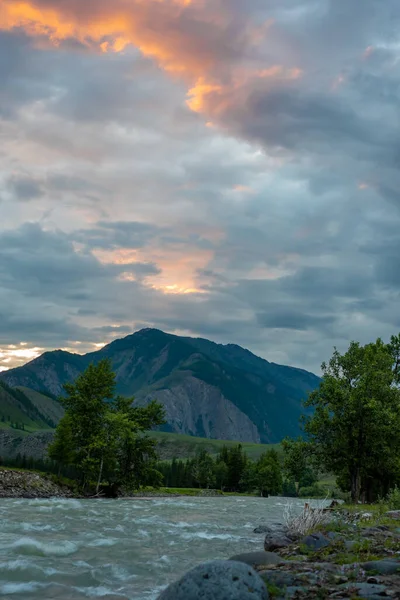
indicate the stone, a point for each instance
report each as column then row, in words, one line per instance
column 367, row 590
column 393, row 514
column 350, row 544
column 316, row 541
column 383, row 567
column 218, row 580
column 275, row 542
column 374, row 531
column 258, row 559
column 263, row 529
column 281, row 579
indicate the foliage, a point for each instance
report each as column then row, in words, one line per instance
column 393, row 498
column 308, row 520
column 269, row 474
column 62, row 448
column 203, row 470
column 312, row 491
column 353, row 432
column 102, row 436
column 230, row 471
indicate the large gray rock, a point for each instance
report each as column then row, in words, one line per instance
column 276, row 541
column 262, row 529
column 218, row 580
column 393, row 514
column 316, row 541
column 258, row 559
column 365, row 590
column 383, row 567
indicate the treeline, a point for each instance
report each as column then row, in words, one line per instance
column 354, row 429
column 21, row 461
column 231, row 470
column 13, row 424
column 31, row 410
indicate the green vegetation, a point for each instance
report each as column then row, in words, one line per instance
column 353, row 431
column 230, row 471
column 102, row 436
column 17, row 411
column 178, row 445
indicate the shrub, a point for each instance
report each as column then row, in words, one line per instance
column 393, row 499
column 312, row 491
column 307, row 521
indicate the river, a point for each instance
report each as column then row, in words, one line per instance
column 120, row 549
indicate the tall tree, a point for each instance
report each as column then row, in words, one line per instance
column 354, row 429
column 203, row 469
column 105, row 433
column 61, row 450
column 269, row 474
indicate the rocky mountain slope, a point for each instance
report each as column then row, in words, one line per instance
column 209, row 390
column 26, row 409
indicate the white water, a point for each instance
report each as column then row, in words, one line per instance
column 120, row 549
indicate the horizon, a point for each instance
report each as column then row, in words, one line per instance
column 225, row 170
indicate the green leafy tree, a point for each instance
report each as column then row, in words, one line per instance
column 61, row 449
column 353, row 432
column 203, row 469
column 296, row 463
column 221, row 474
column 106, row 434
column 269, row 474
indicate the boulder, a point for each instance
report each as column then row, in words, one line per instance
column 316, row 541
column 383, row 567
column 218, row 580
column 368, row 591
column 276, row 540
column 262, row 529
column 393, row 514
column 258, row 559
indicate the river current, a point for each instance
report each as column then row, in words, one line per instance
column 120, row 549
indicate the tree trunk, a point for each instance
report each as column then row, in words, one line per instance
column 355, row 485
column 100, row 474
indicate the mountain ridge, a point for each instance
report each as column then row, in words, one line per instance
column 208, row 389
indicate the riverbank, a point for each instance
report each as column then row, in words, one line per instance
column 355, row 555
column 28, row 484
column 351, row 554
column 23, row 483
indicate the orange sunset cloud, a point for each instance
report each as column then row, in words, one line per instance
column 186, row 38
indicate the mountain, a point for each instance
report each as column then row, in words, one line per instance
column 209, row 390
column 28, row 410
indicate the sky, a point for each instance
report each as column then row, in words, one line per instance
column 219, row 168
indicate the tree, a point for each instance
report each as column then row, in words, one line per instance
column 353, row 432
column 269, row 474
column 221, row 474
column 203, row 471
column 296, row 460
column 61, row 448
column 103, row 435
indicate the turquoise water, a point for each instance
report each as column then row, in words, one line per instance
column 120, row 549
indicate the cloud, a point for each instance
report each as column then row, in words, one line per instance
column 218, row 168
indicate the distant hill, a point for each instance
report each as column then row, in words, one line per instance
column 27, row 410
column 208, row 390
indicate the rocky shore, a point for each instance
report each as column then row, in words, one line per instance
column 352, row 555
column 27, row 484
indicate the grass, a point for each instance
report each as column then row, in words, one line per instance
column 177, row 445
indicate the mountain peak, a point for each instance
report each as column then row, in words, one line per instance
column 207, row 389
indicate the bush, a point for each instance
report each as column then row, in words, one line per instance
column 312, row 491
column 393, row 499
column 307, row 521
